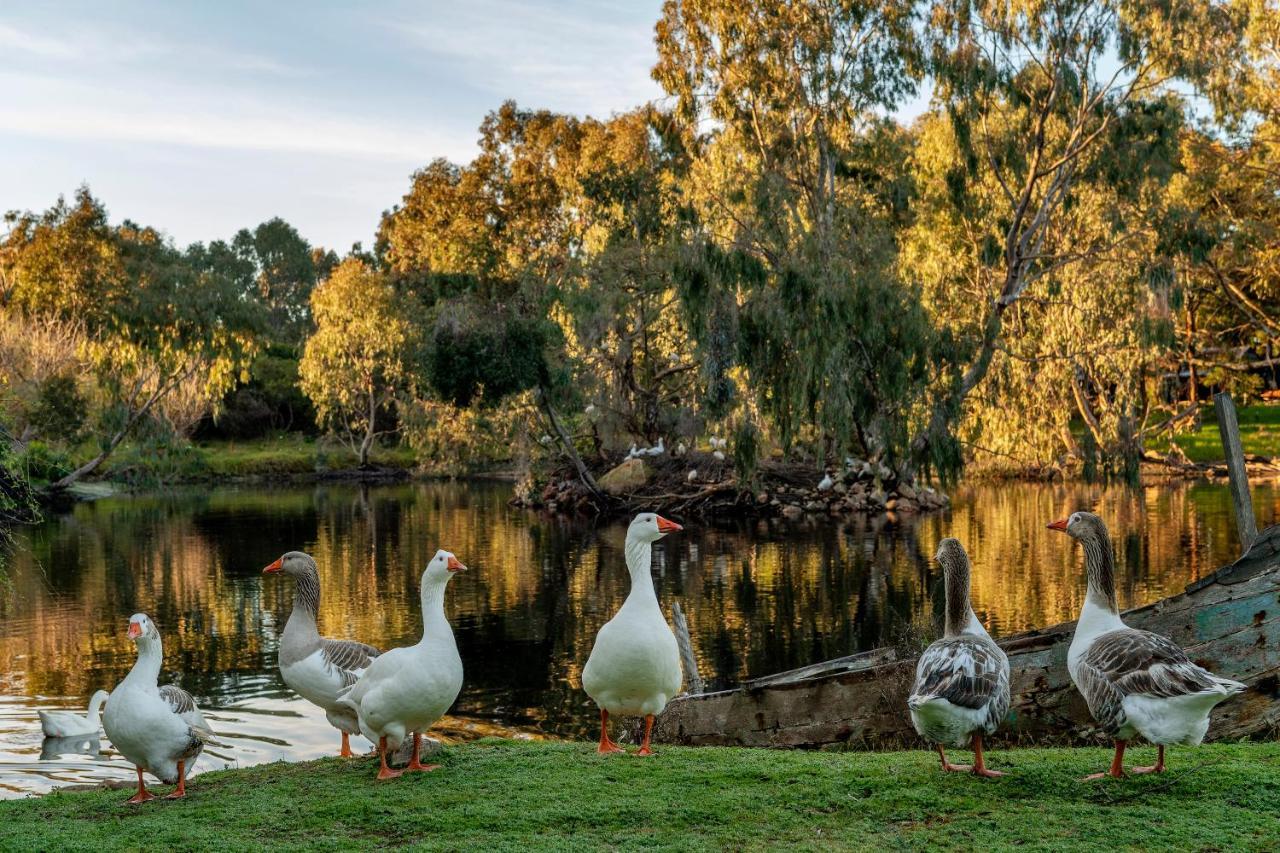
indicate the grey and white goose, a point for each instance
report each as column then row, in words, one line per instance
column 1135, row 682
column 961, row 692
column 159, row 729
column 316, row 668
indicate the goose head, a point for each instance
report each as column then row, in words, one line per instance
column 142, row 629
column 441, row 568
column 951, row 556
column 650, row 527
column 1082, row 526
column 294, row 563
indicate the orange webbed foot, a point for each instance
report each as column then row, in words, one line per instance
column 140, row 797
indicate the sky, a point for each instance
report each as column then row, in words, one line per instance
column 204, row 118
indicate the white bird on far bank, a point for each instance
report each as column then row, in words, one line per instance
column 657, row 450
column 719, row 455
column 692, row 475
column 825, row 484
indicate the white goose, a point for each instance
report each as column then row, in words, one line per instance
column 71, row 724
column 1135, row 682
column 826, row 483
column 407, row 689
column 159, row 729
column 962, row 681
column 634, row 667
column 316, row 668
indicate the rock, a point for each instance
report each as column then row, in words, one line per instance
column 841, row 488
column 791, row 512
column 905, row 505
column 762, row 498
column 906, row 491
column 625, row 478
column 876, row 497
column 815, row 506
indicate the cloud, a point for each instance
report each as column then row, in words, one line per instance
column 48, row 107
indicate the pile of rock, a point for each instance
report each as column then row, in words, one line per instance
column 844, row 497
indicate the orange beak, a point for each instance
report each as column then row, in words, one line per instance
column 665, row 526
column 454, row 566
column 277, row 566
column 1060, row 524
column 135, row 630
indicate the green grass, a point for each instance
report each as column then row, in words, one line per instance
column 291, row 454
column 1259, row 433
column 508, row 795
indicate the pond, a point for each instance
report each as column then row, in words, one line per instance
column 760, row 596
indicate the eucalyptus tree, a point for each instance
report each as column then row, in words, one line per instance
column 356, row 364
column 1044, row 96
column 797, row 183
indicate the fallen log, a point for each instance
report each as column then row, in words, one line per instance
column 1228, row 622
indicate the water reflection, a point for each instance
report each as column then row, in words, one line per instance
column 760, row 597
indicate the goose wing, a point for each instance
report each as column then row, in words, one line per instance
column 348, row 657
column 967, row 672
column 182, row 704
column 1129, row 662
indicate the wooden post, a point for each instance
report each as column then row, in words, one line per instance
column 686, row 649
column 1238, row 478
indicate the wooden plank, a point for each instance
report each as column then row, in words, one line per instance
column 687, row 657
column 1229, row 428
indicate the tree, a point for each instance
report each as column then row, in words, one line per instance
column 1041, row 95
column 354, row 364
column 796, row 188
column 154, row 319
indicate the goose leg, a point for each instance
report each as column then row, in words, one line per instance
column 1117, row 765
column 1158, row 767
column 415, row 763
column 948, row 766
column 648, row 729
column 346, row 746
column 979, row 766
column 143, row 794
column 385, row 772
column 606, row 746
column 180, row 791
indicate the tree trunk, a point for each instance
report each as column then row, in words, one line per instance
column 583, row 473
column 371, row 430
column 92, row 465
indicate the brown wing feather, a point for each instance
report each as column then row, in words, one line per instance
column 1129, row 662
column 179, row 700
column 967, row 672
column 348, row 657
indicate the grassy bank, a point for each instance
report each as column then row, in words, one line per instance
column 1259, row 433
column 505, row 795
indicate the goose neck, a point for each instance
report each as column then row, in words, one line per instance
column 960, row 614
column 95, row 706
column 306, row 604
column 639, row 566
column 1100, row 566
column 434, row 622
column 146, row 669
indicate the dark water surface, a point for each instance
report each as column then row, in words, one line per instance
column 761, row 597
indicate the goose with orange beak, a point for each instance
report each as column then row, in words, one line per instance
column 1135, row 682
column 634, row 667
column 317, row 668
column 404, row 691
column 159, row 729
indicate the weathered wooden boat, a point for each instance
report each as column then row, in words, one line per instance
column 1228, row 622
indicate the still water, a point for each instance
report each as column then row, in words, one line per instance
column 760, row 597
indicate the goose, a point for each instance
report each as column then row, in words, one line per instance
column 408, row 689
column 825, row 484
column 634, row 667
column 633, row 453
column 681, row 449
column 1135, row 682
column 961, row 692
column 316, row 668
column 71, row 724
column 159, row 729
column 590, row 409
column 719, row 455
column 692, row 475
column 656, row 450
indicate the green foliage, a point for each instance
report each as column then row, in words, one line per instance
column 60, row 410
column 475, row 356
column 44, row 463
